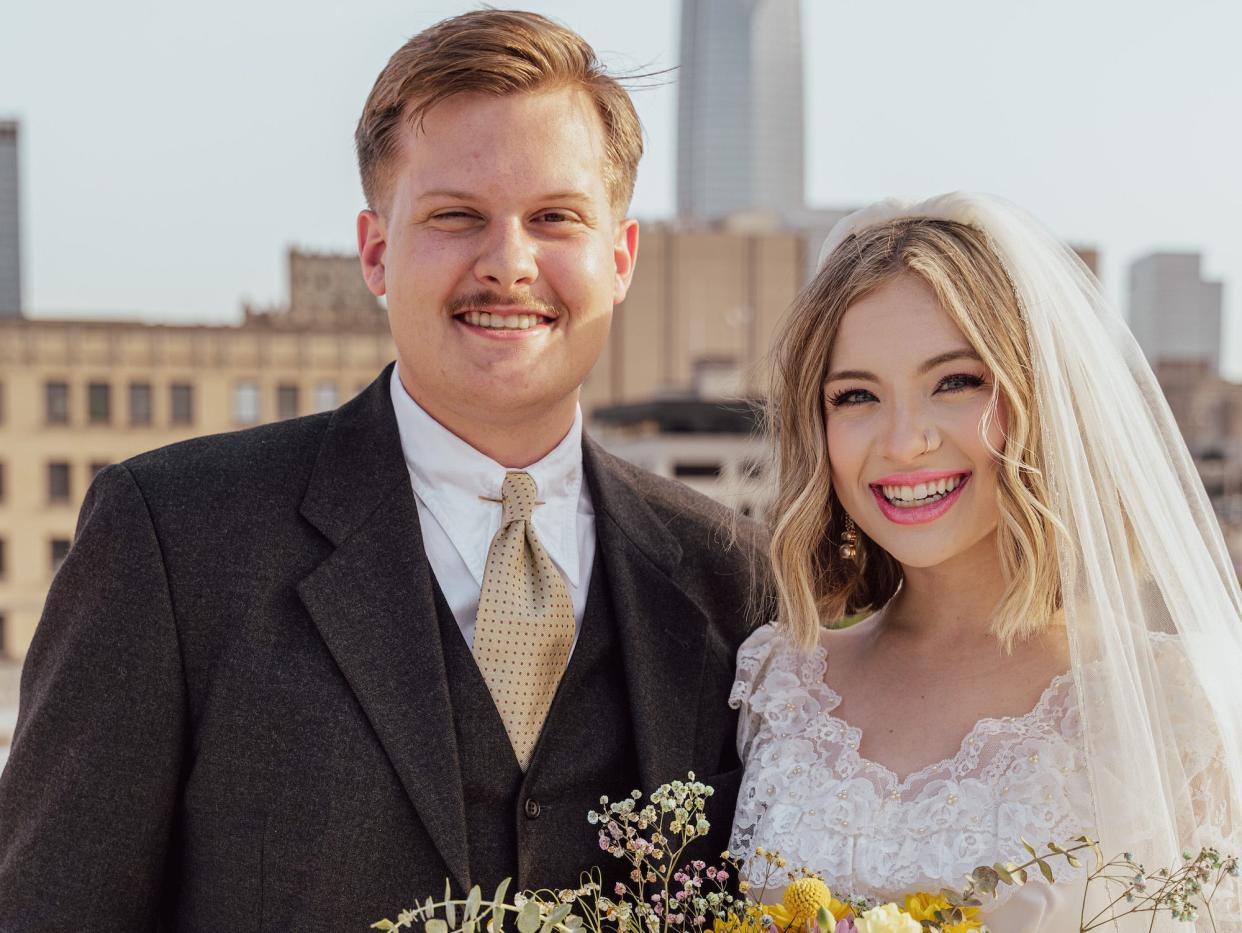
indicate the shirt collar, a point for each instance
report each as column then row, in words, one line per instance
column 449, row 476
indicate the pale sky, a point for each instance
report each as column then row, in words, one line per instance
column 172, row 151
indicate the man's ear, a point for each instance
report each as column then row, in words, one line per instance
column 624, row 256
column 372, row 243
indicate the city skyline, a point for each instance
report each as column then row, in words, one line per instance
column 166, row 167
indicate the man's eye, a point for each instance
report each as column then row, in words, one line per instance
column 554, row 217
column 959, row 381
column 847, row 397
column 454, row 215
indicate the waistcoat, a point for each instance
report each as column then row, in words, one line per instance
column 533, row 827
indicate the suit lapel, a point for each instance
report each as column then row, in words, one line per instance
column 663, row 630
column 373, row 602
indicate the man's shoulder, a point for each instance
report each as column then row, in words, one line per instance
column 705, row 528
column 270, row 457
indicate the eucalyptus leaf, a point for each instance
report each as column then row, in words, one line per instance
column 450, row 909
column 1074, row 860
column 383, row 925
column 498, row 900
column 436, row 925
column 1029, row 848
column 528, row 918
column 985, row 879
column 1003, row 873
column 473, row 900
column 558, row 914
column 1045, row 869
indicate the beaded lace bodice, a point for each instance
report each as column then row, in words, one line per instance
column 809, row 794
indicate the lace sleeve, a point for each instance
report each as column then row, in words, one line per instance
column 752, row 659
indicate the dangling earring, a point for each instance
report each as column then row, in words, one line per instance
column 849, row 540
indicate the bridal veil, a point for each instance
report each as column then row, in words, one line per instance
column 1151, row 601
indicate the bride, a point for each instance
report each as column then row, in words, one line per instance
column 972, row 448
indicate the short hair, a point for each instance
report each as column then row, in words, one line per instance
column 497, row 52
column 816, row 584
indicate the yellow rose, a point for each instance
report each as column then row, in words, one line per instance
column 924, row 907
column 887, row 918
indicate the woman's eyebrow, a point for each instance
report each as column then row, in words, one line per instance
column 963, row 354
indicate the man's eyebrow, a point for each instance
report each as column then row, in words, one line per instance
column 453, row 194
column 861, row 374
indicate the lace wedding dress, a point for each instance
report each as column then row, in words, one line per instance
column 808, row 793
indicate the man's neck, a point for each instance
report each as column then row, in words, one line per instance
column 514, row 439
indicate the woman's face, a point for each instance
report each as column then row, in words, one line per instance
column 904, row 399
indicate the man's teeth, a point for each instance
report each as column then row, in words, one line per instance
column 923, row 493
column 502, row 321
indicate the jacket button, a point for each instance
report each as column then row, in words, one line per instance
column 531, row 808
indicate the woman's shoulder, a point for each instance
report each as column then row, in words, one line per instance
column 774, row 648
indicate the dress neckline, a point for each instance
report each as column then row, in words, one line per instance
column 986, row 724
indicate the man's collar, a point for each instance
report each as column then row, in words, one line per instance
column 449, row 476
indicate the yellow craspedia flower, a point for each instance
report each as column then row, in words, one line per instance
column 924, row 906
column 803, row 899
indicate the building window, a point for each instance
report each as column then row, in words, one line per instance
column 60, row 550
column 2, row 478
column 182, row 396
column 1, row 411
column 3, row 566
column 56, row 395
column 4, row 641
column 326, row 397
column 139, row 403
column 696, row 470
column 246, row 403
column 99, row 402
column 286, row 402
column 58, row 482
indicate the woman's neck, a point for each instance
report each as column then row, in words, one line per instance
column 954, row 601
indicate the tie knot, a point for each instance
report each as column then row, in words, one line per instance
column 518, row 495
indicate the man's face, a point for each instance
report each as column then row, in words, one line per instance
column 500, row 255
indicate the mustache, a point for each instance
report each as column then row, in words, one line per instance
column 487, row 299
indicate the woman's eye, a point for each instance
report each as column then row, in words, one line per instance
column 847, row 397
column 959, row 381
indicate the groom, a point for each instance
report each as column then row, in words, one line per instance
column 296, row 677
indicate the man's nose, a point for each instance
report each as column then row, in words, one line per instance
column 507, row 257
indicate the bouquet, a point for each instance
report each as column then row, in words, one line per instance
column 667, row 894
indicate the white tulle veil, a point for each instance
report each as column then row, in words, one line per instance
column 1152, row 603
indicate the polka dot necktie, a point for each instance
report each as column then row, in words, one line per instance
column 525, row 625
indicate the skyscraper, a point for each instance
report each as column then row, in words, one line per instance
column 740, row 132
column 10, row 224
column 1175, row 314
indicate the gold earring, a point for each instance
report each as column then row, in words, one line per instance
column 849, row 540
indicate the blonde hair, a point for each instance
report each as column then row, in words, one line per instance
column 814, row 583
column 496, row 52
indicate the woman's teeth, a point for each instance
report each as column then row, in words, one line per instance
column 502, row 321
column 923, row 493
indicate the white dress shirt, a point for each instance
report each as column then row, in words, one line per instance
column 449, row 476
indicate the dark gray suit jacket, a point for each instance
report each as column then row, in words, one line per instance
column 229, row 716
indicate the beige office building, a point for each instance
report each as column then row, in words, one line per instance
column 77, row 395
